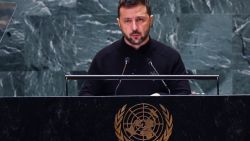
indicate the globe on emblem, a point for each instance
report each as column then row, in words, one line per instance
column 143, row 122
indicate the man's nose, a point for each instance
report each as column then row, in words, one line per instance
column 134, row 25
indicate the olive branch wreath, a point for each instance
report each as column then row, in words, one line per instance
column 117, row 125
column 165, row 136
column 169, row 124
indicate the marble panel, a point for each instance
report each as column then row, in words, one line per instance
column 6, row 11
column 45, row 83
column 205, row 41
column 209, row 87
column 110, row 6
column 206, row 6
column 241, row 41
column 12, row 83
column 241, row 83
column 93, row 33
column 50, row 39
column 12, row 42
column 97, row 6
column 241, row 53
column 240, row 6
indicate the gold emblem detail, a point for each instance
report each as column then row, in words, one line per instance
column 143, row 122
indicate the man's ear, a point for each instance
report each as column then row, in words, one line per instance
column 118, row 21
column 151, row 20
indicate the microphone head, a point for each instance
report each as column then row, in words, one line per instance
column 127, row 59
column 149, row 61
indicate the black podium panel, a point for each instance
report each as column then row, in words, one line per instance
column 173, row 118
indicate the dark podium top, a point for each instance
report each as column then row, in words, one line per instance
column 173, row 118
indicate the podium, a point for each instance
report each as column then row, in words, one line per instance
column 172, row 118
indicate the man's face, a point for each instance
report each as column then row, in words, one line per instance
column 135, row 24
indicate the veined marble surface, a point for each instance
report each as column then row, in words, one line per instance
column 49, row 38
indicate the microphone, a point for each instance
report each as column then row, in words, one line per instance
column 126, row 61
column 157, row 73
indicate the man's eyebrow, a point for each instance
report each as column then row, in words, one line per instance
column 142, row 16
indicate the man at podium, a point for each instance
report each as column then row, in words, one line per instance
column 136, row 53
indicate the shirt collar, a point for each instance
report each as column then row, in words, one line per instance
column 129, row 49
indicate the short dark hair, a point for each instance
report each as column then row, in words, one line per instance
column 131, row 3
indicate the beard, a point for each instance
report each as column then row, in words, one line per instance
column 138, row 41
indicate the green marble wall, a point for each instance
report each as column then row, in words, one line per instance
column 49, row 38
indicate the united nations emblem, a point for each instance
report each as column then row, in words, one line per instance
column 143, row 122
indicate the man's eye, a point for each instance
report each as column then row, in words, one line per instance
column 140, row 20
column 128, row 21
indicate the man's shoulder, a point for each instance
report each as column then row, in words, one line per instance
column 109, row 49
column 164, row 49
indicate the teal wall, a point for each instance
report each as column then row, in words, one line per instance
column 49, row 38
